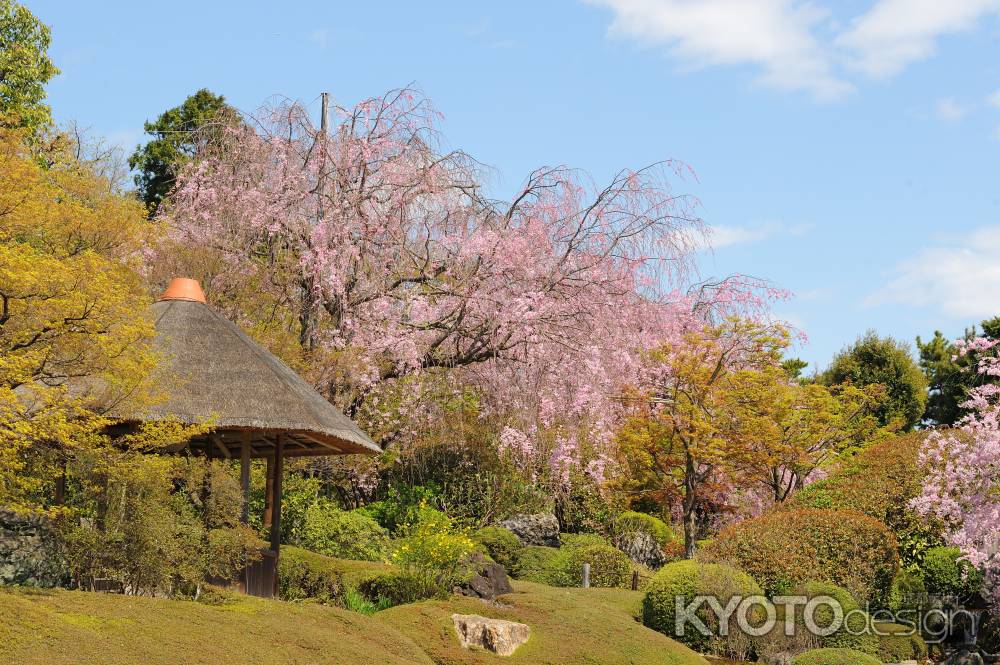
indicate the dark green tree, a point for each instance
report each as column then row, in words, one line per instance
column 887, row 362
column 950, row 375
column 25, row 68
column 176, row 134
column 793, row 367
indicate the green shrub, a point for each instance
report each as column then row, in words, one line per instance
column 576, row 540
column 947, row 574
column 609, row 567
column 907, row 591
column 400, row 507
column 688, row 579
column 544, row 565
column 835, row 657
column 345, row 535
column 855, row 633
column 880, row 482
column 397, row 588
column 305, row 575
column 500, row 543
column 785, row 549
column 633, row 522
column 898, row 643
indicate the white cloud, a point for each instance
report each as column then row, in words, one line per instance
column 961, row 280
column 320, row 38
column 895, row 33
column 728, row 236
column 797, row 44
column 950, row 110
column 776, row 35
column 994, row 99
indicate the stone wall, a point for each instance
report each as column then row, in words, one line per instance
column 28, row 552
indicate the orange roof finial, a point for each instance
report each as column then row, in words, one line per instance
column 184, row 288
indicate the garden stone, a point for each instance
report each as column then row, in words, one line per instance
column 642, row 548
column 964, row 657
column 489, row 580
column 29, row 554
column 495, row 635
column 540, row 529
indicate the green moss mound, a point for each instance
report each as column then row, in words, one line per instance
column 500, row 544
column 687, row 579
column 609, row 567
column 80, row 628
column 835, row 657
column 542, row 565
column 305, row 575
column 568, row 627
column 899, row 642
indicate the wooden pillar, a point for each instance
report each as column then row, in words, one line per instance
column 245, row 477
column 60, row 497
column 268, row 490
column 279, row 459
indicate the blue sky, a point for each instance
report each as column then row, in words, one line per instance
column 847, row 150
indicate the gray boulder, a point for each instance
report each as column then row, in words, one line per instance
column 540, row 529
column 964, row 657
column 29, row 554
column 642, row 548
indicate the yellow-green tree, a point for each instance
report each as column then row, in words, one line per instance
column 686, row 433
column 74, row 332
column 801, row 426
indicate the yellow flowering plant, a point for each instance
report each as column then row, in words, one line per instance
column 433, row 549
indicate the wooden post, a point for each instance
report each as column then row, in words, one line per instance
column 245, row 477
column 60, row 498
column 635, row 580
column 279, row 466
column 268, row 490
column 586, row 576
column 279, row 455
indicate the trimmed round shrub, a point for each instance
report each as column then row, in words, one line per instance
column 609, row 567
column 855, row 632
column 835, row 657
column 898, row 643
column 544, row 565
column 343, row 534
column 947, row 574
column 646, row 539
column 573, row 540
column 633, row 522
column 500, row 543
column 785, row 549
column 687, row 579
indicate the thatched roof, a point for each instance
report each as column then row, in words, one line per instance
column 223, row 375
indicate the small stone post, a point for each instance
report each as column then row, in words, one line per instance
column 586, row 576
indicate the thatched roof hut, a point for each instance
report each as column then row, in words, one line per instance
column 218, row 373
column 258, row 406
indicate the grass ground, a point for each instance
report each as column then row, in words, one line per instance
column 568, row 626
column 576, row 626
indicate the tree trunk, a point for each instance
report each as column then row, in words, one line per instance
column 690, row 496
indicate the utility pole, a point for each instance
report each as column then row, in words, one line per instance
column 324, row 113
column 324, row 120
